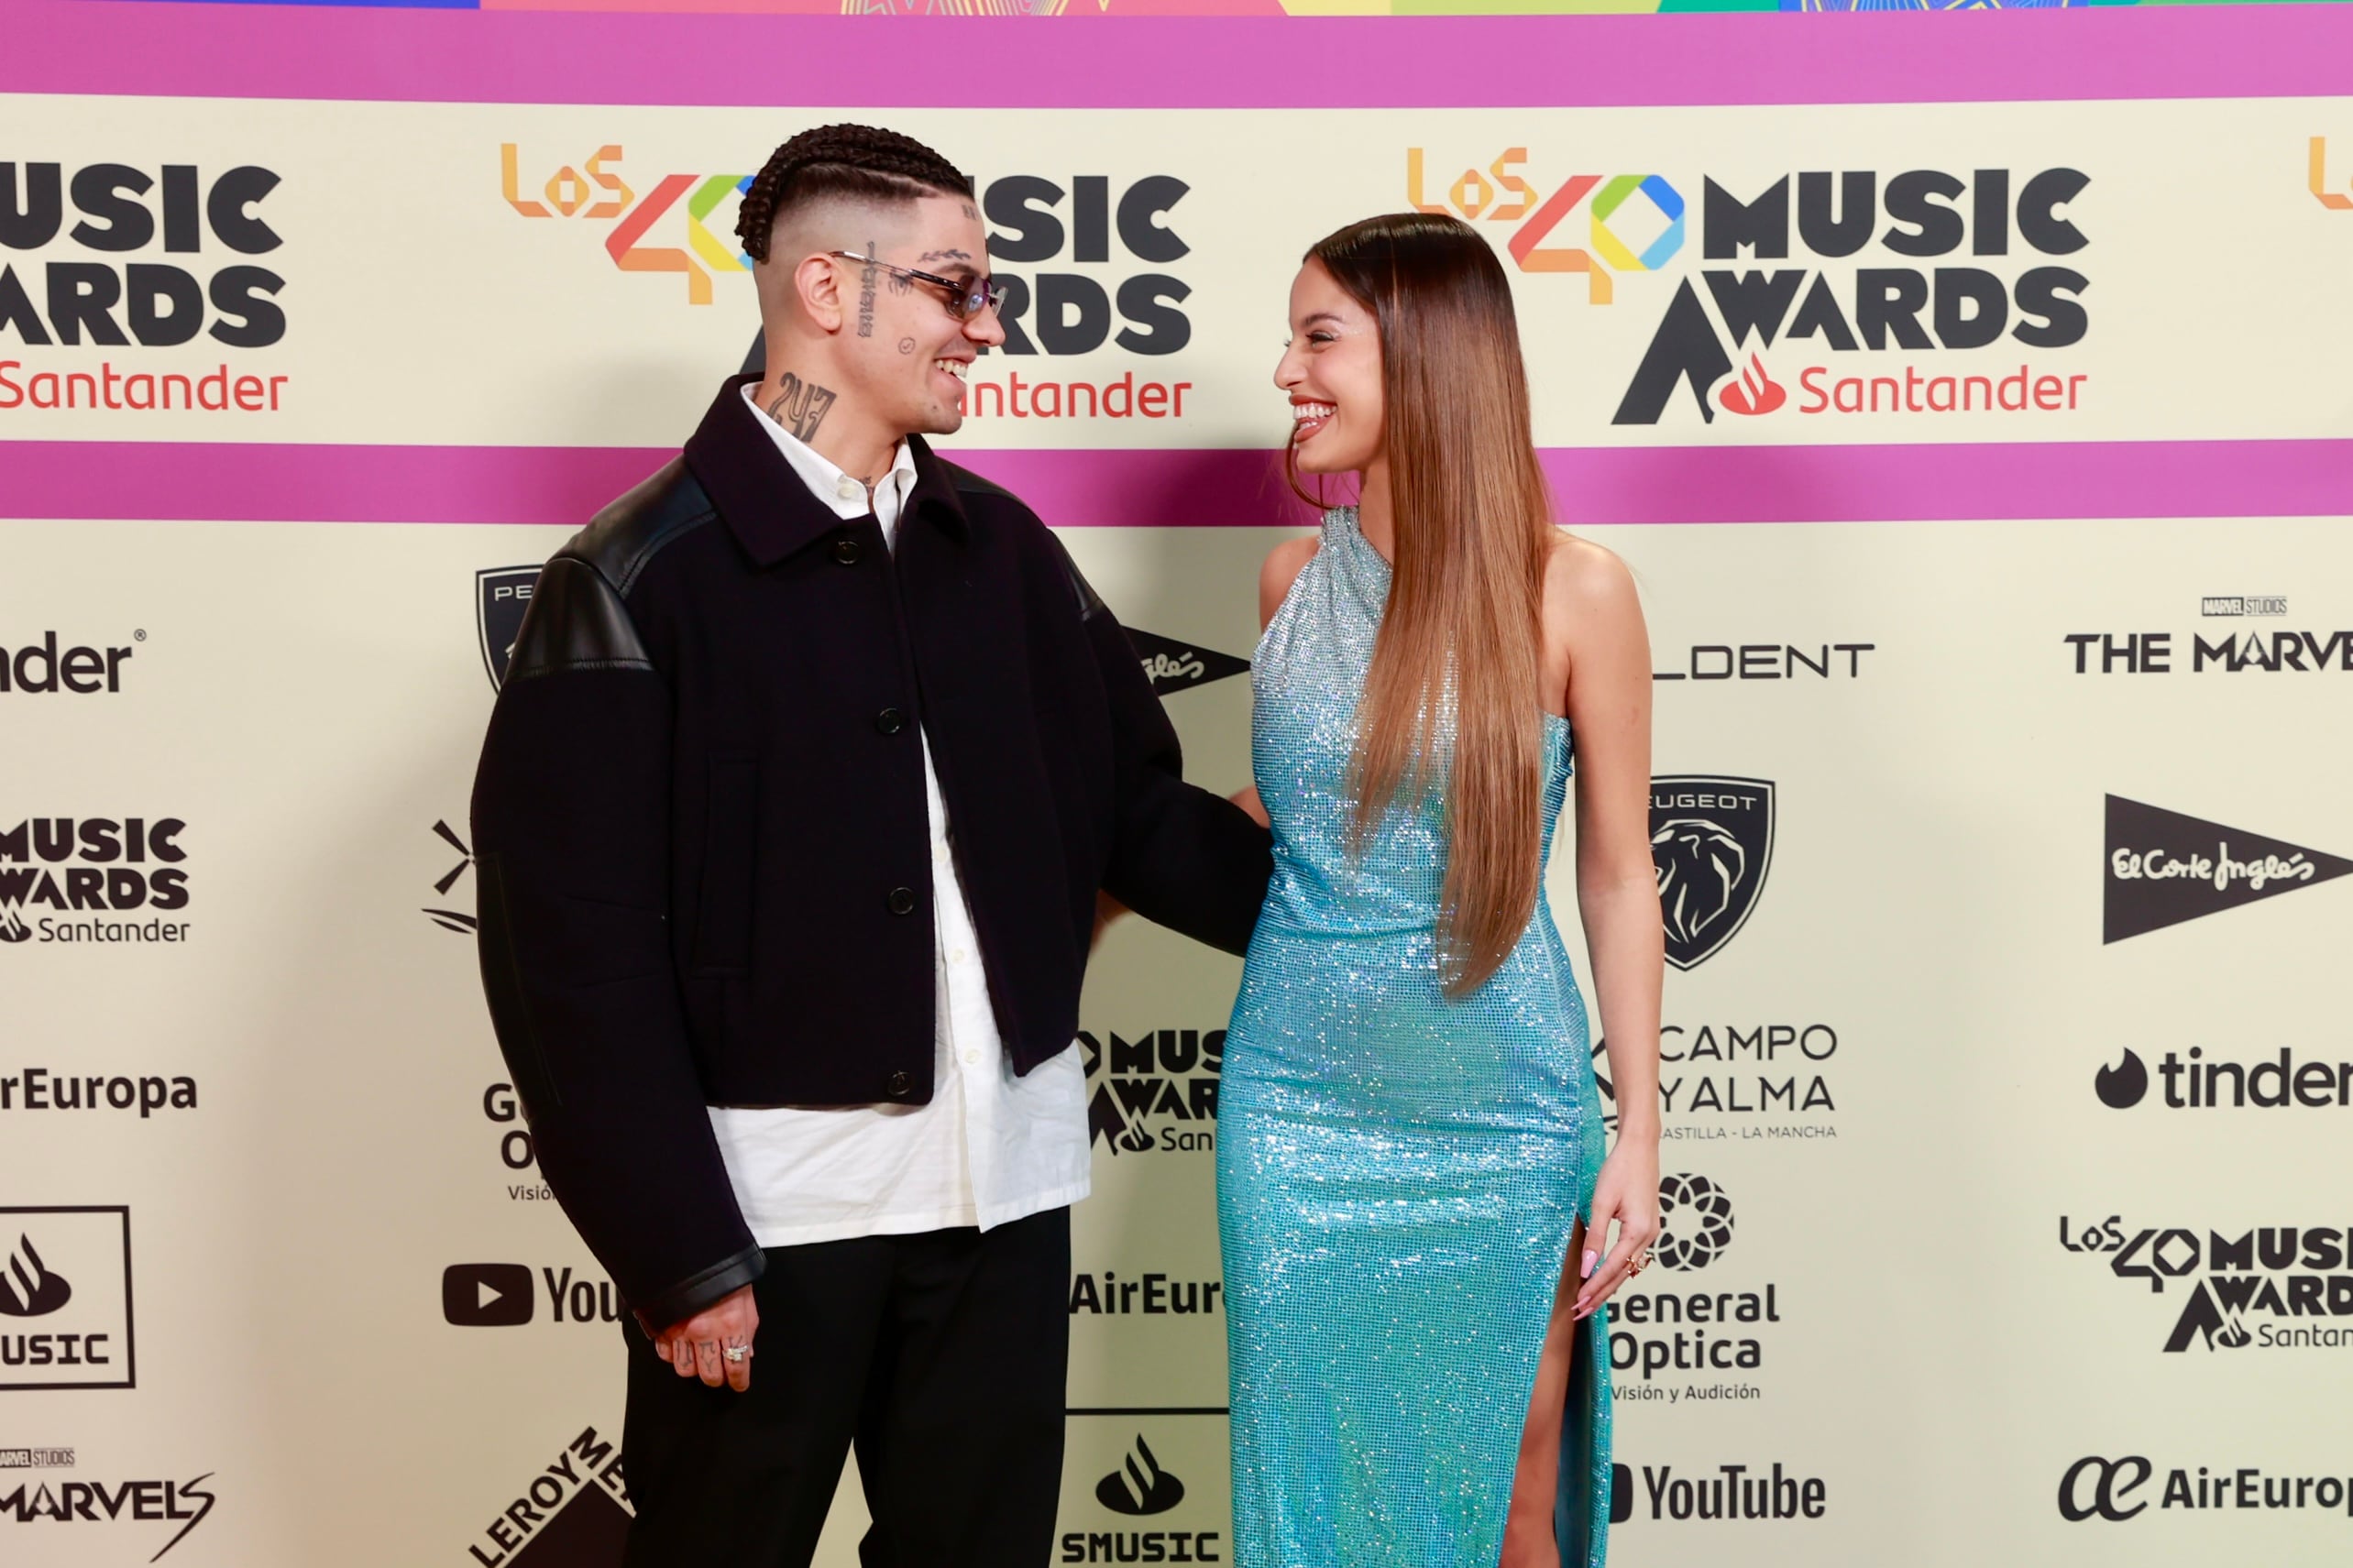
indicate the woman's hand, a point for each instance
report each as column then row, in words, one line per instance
column 1627, row 1192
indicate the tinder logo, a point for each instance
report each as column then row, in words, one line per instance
column 1752, row 391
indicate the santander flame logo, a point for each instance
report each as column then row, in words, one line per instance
column 1752, row 391
column 27, row 1290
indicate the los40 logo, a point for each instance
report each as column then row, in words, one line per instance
column 1498, row 193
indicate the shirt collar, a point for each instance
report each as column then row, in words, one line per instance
column 835, row 485
column 750, row 482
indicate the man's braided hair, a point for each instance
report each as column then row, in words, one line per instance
column 858, row 161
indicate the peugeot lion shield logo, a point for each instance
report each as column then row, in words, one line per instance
column 1711, row 839
column 501, row 595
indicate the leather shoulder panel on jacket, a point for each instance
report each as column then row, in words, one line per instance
column 1089, row 601
column 632, row 530
column 576, row 622
column 971, row 483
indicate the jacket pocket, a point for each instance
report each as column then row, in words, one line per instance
column 730, row 858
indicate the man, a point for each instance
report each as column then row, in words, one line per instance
column 812, row 756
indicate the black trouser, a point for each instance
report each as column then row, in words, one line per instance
column 942, row 1355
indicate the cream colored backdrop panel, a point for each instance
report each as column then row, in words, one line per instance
column 308, row 700
column 1934, row 1330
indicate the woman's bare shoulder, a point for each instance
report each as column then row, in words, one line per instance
column 1583, row 576
column 1283, row 565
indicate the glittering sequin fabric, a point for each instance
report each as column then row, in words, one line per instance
column 1398, row 1173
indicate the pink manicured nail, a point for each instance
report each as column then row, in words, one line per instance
column 1590, row 1259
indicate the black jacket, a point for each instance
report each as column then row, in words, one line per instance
column 699, row 818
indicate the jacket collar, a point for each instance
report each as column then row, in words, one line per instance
column 765, row 503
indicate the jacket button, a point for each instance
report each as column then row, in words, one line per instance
column 899, row 1085
column 890, row 722
column 902, row 901
column 846, row 551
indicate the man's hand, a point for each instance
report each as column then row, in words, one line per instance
column 698, row 1347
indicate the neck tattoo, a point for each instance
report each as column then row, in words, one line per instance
column 801, row 406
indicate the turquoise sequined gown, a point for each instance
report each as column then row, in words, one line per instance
column 1398, row 1173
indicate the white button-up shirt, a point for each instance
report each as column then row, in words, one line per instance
column 990, row 1148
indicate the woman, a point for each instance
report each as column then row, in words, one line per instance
column 1413, row 1196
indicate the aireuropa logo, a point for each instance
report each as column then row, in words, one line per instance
column 65, row 1298
column 1072, row 242
column 2271, row 1287
column 574, row 1513
column 43, row 1088
column 2196, row 1082
column 502, row 596
column 1148, row 1294
column 2095, row 1487
column 55, row 870
column 1174, row 666
column 2163, row 868
column 1156, row 1092
column 43, row 667
column 1711, row 838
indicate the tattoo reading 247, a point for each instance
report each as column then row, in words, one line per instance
column 866, row 295
column 800, row 406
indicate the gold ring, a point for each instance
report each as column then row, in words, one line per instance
column 1639, row 1261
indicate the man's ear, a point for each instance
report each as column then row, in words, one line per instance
column 818, row 284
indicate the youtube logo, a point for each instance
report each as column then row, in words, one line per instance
column 486, row 1295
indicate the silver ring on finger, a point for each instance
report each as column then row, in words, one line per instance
column 737, row 1352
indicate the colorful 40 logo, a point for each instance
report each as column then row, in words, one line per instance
column 600, row 192
column 1499, row 194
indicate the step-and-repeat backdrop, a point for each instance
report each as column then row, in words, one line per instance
column 1984, row 455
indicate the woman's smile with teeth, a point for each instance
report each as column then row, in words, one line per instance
column 1309, row 418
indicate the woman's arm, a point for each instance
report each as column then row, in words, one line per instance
column 1589, row 597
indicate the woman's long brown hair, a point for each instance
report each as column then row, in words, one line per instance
column 1461, row 643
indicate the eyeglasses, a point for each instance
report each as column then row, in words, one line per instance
column 965, row 301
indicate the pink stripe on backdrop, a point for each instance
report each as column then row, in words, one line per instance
column 328, row 51
column 1196, row 488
